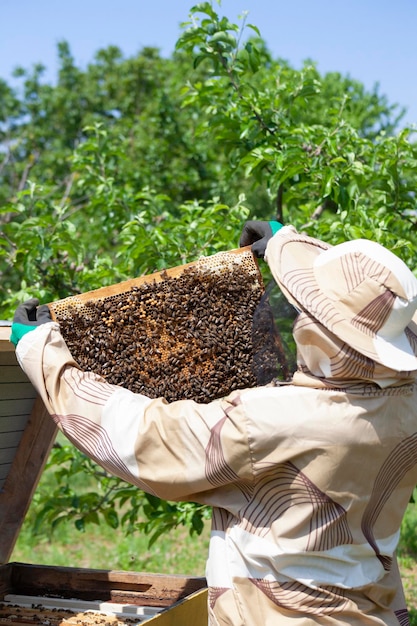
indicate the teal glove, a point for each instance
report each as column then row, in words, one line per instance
column 27, row 317
column 257, row 234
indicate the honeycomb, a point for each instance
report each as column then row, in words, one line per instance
column 183, row 333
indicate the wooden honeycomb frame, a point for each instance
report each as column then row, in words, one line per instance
column 181, row 333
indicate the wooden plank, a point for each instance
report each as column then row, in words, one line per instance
column 23, row 477
column 8, row 357
column 178, row 600
column 7, row 455
column 83, row 613
column 10, row 439
column 16, row 407
column 12, row 423
column 5, row 579
column 77, row 605
column 4, row 470
column 134, row 588
column 17, row 391
column 12, row 374
column 5, row 343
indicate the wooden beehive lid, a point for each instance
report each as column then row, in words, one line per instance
column 26, row 436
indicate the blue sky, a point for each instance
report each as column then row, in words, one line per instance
column 372, row 41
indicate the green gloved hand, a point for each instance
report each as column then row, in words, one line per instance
column 257, row 234
column 27, row 317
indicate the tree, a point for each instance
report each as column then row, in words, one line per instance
column 334, row 157
column 141, row 151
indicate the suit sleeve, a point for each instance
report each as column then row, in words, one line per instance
column 178, row 451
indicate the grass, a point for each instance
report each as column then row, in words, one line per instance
column 102, row 547
column 408, row 560
column 408, row 567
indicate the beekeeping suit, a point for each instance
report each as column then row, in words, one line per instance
column 309, row 480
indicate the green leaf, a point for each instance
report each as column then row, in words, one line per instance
column 111, row 517
column 198, row 59
column 204, row 7
column 254, row 28
column 224, row 37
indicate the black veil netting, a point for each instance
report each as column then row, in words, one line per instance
column 274, row 351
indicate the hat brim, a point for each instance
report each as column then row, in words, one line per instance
column 292, row 258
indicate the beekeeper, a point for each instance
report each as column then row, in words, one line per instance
column 309, row 480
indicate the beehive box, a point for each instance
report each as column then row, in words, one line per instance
column 186, row 332
column 38, row 595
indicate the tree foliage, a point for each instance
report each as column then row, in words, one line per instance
column 136, row 164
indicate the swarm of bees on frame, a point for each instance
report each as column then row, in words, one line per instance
column 183, row 337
